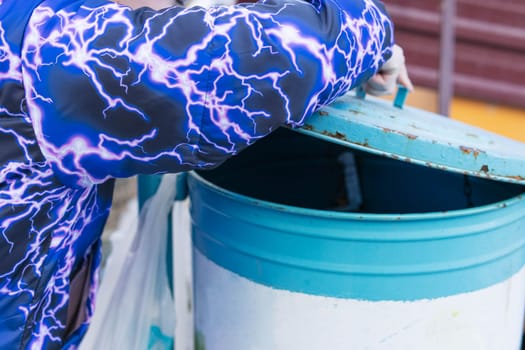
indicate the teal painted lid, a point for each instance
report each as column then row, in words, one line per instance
column 413, row 135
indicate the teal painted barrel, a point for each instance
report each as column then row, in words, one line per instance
column 427, row 259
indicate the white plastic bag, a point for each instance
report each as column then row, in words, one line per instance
column 182, row 250
column 135, row 307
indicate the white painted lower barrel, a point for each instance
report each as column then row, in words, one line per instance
column 432, row 260
column 236, row 313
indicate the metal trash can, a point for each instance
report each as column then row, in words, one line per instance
column 417, row 243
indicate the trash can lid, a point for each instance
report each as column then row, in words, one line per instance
column 374, row 125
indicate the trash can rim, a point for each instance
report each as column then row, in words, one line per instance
column 500, row 205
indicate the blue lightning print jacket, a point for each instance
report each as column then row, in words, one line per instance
column 91, row 91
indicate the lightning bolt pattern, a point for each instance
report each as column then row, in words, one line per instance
column 91, row 91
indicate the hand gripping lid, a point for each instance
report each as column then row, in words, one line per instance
column 417, row 136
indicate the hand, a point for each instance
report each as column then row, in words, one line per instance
column 393, row 72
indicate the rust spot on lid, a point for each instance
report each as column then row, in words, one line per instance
column 364, row 144
column 340, row 135
column 469, row 150
column 337, row 135
column 407, row 135
column 323, row 113
column 484, row 168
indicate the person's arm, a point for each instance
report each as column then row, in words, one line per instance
column 114, row 92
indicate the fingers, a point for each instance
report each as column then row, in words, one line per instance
column 404, row 80
column 381, row 84
column 393, row 72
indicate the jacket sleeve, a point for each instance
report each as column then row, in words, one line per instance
column 114, row 92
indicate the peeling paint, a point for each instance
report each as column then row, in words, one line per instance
column 469, row 150
column 407, row 135
column 338, row 135
column 308, row 127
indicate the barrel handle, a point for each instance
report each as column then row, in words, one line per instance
column 399, row 100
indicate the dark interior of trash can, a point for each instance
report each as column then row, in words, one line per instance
column 295, row 169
